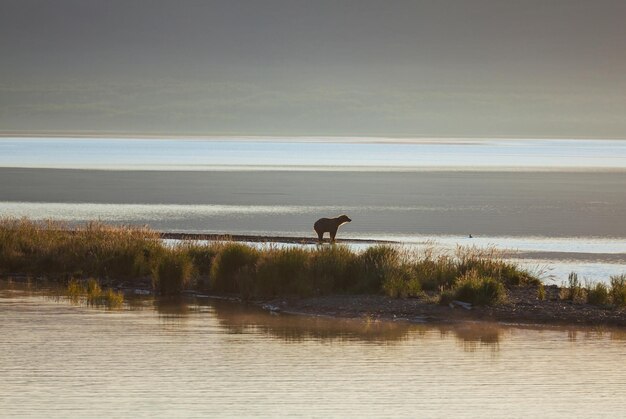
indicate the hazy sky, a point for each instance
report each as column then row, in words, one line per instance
column 522, row 68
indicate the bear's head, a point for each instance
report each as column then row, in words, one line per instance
column 344, row 219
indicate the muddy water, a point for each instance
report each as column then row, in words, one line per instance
column 220, row 359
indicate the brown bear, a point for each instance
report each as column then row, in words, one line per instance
column 330, row 225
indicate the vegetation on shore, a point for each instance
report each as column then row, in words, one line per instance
column 91, row 292
column 81, row 256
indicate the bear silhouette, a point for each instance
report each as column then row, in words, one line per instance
column 329, row 225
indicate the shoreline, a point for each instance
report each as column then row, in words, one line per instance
column 522, row 308
column 380, row 282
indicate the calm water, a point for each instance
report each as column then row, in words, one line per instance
column 559, row 202
column 218, row 359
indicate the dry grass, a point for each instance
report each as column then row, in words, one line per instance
column 94, row 249
column 173, row 272
column 443, row 270
column 479, row 290
column 541, row 292
column 618, row 290
column 59, row 251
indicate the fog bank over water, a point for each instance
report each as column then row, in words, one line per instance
column 475, row 68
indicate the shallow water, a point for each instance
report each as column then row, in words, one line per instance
column 219, row 359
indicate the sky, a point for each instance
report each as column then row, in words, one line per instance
column 439, row 68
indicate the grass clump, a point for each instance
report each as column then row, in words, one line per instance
column 541, row 292
column 400, row 282
column 201, row 256
column 435, row 272
column 598, row 294
column 490, row 263
column 574, row 291
column 479, row 290
column 374, row 266
column 618, row 290
column 233, row 268
column 283, row 271
column 173, row 272
column 333, row 269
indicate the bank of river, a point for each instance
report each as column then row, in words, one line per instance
column 522, row 307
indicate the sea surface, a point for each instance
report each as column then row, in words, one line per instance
column 203, row 358
column 557, row 205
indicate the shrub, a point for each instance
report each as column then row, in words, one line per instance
column 618, row 290
column 332, row 269
column 443, row 270
column 372, row 268
column 479, row 290
column 233, row 266
column 400, row 282
column 283, row 271
column 436, row 273
column 598, row 294
column 490, row 263
column 202, row 256
column 173, row 273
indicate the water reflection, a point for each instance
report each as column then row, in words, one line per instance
column 197, row 358
column 476, row 336
column 238, row 318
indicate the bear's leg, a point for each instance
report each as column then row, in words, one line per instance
column 320, row 236
column 333, row 233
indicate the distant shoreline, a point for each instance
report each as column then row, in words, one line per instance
column 391, row 139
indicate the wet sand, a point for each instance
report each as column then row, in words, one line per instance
column 266, row 239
